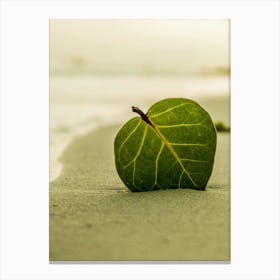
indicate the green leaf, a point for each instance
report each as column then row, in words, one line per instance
column 172, row 146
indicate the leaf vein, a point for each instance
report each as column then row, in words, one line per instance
column 179, row 125
column 168, row 110
column 180, row 179
column 135, row 158
column 173, row 152
column 184, row 125
column 193, row 160
column 188, row 144
column 140, row 148
column 130, row 134
column 157, row 159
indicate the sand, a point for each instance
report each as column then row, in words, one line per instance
column 94, row 217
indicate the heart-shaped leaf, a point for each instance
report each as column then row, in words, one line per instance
column 172, row 146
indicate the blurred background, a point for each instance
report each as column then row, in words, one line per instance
column 100, row 68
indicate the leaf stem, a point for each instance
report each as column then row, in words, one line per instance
column 143, row 116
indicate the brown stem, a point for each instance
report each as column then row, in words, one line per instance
column 142, row 115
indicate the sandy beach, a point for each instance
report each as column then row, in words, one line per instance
column 93, row 217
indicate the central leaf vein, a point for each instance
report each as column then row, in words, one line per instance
column 163, row 139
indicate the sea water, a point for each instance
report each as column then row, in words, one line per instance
column 80, row 103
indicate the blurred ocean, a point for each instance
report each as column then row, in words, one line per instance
column 80, row 103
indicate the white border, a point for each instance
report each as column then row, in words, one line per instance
column 255, row 138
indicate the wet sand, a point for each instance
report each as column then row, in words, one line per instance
column 94, row 217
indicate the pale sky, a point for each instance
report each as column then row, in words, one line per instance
column 142, row 45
